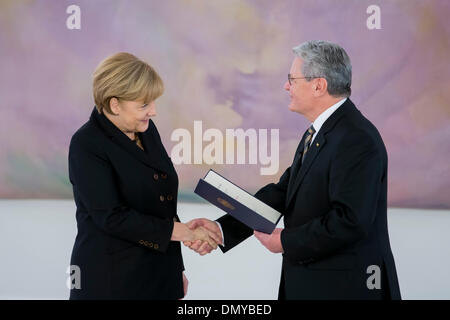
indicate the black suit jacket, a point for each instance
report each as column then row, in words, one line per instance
column 335, row 214
column 126, row 202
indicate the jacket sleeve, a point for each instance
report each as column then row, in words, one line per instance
column 355, row 181
column 93, row 179
column 274, row 195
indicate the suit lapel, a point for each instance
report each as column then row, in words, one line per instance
column 155, row 152
column 317, row 145
column 151, row 157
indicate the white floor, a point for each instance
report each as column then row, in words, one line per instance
column 36, row 238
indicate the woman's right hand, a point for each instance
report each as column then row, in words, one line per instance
column 181, row 232
column 204, row 234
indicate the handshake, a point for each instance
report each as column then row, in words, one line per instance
column 201, row 235
column 208, row 235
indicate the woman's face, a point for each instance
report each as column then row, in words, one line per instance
column 132, row 116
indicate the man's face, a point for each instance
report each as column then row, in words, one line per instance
column 300, row 90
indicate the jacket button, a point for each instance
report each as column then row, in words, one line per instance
column 155, row 176
column 163, row 175
column 169, row 197
column 161, row 198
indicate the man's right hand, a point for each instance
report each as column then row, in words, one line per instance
column 203, row 247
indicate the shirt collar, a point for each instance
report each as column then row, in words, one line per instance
column 320, row 120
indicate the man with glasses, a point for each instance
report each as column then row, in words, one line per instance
column 335, row 242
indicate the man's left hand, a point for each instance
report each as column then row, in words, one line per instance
column 271, row 241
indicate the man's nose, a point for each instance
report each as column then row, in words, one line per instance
column 287, row 86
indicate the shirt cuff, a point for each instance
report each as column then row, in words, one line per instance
column 221, row 231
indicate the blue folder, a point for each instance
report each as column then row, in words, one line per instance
column 236, row 209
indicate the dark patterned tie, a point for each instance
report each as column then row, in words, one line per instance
column 308, row 139
column 307, row 136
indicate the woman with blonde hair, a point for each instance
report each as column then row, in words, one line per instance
column 125, row 189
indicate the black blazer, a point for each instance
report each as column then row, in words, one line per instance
column 126, row 202
column 335, row 214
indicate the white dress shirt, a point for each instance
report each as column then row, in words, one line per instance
column 320, row 120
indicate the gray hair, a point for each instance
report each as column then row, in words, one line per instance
column 322, row 59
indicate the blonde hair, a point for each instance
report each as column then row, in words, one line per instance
column 126, row 77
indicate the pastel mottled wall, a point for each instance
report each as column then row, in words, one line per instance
column 225, row 63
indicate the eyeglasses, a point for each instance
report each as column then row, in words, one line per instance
column 292, row 78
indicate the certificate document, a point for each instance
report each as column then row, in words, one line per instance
column 237, row 202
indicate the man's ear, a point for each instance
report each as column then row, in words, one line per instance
column 320, row 87
column 114, row 106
